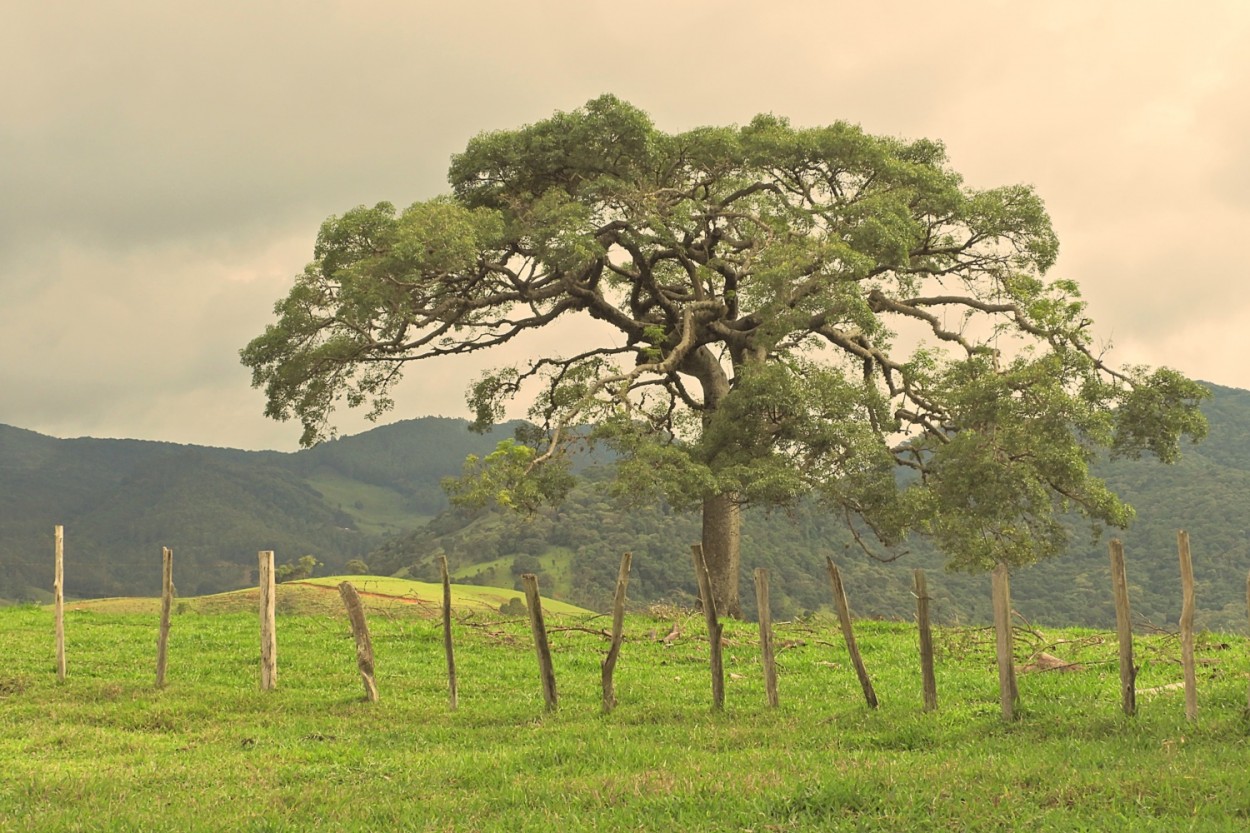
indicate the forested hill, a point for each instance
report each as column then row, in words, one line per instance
column 370, row 496
column 122, row 500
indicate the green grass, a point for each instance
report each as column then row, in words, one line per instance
column 375, row 509
column 105, row 751
column 555, row 563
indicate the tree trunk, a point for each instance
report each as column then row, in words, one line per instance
column 722, row 538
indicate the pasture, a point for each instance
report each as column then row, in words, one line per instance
column 105, row 750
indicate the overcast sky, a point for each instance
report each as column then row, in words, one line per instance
column 163, row 172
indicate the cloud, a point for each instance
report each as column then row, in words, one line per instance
column 165, row 170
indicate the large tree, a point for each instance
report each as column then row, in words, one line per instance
column 754, row 314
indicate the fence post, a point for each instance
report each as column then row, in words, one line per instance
column 608, row 667
column 541, row 646
column 167, row 602
column 360, row 632
column 448, row 650
column 844, row 618
column 58, row 594
column 714, row 627
column 268, row 626
column 766, row 636
column 1123, row 628
column 1007, row 693
column 926, row 642
column 1187, row 625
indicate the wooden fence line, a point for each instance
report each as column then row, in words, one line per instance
column 1187, row 625
column 714, row 628
column 360, row 632
column 268, row 627
column 533, row 601
column 1124, row 628
column 928, row 680
column 453, row 696
column 1008, row 694
column 608, row 668
column 767, row 659
column 58, row 595
column 1000, row 585
column 167, row 602
column 848, row 633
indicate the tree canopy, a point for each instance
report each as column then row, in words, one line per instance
column 767, row 312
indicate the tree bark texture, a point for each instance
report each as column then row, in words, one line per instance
column 722, row 542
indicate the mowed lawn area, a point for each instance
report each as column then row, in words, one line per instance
column 106, row 751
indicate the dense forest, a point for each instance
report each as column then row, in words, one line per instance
column 376, row 497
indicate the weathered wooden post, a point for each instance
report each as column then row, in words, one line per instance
column 58, row 596
column 714, row 627
column 766, row 636
column 448, row 650
column 1187, row 625
column 167, row 602
column 360, row 632
column 1123, row 628
column 618, row 633
column 534, row 602
column 1248, row 611
column 848, row 634
column 926, row 642
column 268, row 626
column 1007, row 694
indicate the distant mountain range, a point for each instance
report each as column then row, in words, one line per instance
column 376, row 497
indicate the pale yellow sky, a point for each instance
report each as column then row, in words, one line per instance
column 164, row 171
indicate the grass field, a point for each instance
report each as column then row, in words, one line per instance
column 105, row 751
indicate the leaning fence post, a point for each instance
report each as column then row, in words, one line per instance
column 1007, row 693
column 268, row 627
column 926, row 642
column 1123, row 628
column 167, row 601
column 541, row 646
column 848, row 634
column 448, row 650
column 714, row 627
column 58, row 595
column 1187, row 625
column 618, row 633
column 766, row 636
column 360, row 632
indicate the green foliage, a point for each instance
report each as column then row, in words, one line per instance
column 503, row 477
column 298, row 570
column 755, row 284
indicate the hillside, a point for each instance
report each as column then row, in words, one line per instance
column 122, row 500
column 375, row 496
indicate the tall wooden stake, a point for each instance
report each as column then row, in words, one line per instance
column 58, row 595
column 448, row 650
column 766, row 636
column 167, row 602
column 268, row 626
column 1187, row 625
column 848, row 634
column 714, row 627
column 1248, row 611
column 534, row 602
column 618, row 633
column 926, row 642
column 1123, row 628
column 1007, row 693
column 360, row 631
